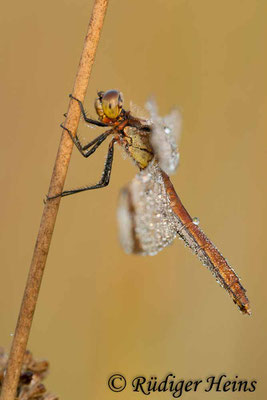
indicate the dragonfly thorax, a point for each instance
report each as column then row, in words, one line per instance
column 138, row 146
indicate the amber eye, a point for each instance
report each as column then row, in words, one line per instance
column 112, row 102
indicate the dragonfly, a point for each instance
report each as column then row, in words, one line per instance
column 150, row 213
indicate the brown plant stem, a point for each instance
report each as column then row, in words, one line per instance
column 51, row 208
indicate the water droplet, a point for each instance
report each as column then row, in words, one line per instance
column 167, row 130
column 11, row 334
column 196, row 221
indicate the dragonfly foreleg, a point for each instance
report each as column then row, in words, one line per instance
column 86, row 119
column 96, row 142
column 104, row 181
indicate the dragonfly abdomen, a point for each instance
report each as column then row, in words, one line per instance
column 208, row 254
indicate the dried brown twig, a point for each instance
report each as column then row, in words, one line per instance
column 51, row 208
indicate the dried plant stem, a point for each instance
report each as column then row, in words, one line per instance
column 51, row 208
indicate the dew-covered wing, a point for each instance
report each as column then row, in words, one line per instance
column 146, row 221
column 151, row 215
column 164, row 137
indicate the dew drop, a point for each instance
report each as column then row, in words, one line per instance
column 167, row 130
column 196, row 221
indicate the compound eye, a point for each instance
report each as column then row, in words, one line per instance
column 112, row 103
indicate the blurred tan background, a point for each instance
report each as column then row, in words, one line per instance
column 101, row 311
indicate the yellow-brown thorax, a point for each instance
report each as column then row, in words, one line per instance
column 137, row 145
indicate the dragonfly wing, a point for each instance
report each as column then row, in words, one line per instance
column 165, row 134
column 147, row 223
column 151, row 215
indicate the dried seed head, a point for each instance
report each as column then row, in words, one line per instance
column 33, row 372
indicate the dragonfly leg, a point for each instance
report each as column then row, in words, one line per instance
column 86, row 119
column 104, row 181
column 84, row 149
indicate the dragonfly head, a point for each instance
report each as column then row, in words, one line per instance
column 109, row 104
